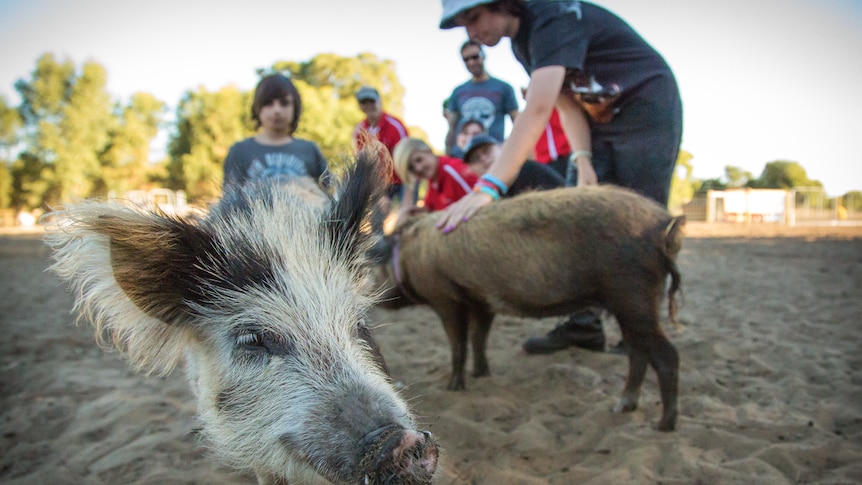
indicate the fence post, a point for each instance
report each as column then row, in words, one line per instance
column 790, row 208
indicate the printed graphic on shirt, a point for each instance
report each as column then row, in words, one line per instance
column 277, row 166
column 479, row 108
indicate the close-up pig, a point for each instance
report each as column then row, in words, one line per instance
column 265, row 299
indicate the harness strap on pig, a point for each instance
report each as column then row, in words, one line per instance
column 397, row 271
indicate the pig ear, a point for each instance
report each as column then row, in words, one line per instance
column 154, row 260
column 358, row 194
column 132, row 274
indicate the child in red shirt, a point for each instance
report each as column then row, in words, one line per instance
column 449, row 178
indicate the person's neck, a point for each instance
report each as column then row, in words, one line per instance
column 512, row 28
column 481, row 77
column 273, row 137
column 374, row 120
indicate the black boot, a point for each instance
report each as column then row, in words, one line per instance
column 583, row 329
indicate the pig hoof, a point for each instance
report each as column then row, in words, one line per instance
column 456, row 384
column 625, row 406
column 481, row 373
column 667, row 423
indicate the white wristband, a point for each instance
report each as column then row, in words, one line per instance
column 580, row 153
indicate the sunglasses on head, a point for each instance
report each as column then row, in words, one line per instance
column 474, row 57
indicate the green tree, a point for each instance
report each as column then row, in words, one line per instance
column 682, row 185
column 30, row 181
column 87, row 119
column 208, row 123
column 125, row 161
column 853, row 200
column 704, row 186
column 737, row 177
column 42, row 101
column 783, row 174
column 10, row 124
column 66, row 120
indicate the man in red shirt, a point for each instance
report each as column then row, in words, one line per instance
column 389, row 130
column 385, row 127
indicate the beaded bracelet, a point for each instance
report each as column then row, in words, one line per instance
column 501, row 186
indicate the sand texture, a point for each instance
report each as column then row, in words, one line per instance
column 770, row 382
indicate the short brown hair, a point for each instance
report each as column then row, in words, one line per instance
column 270, row 88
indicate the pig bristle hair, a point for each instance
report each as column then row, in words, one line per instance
column 81, row 256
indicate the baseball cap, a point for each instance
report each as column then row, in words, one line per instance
column 451, row 9
column 367, row 92
column 477, row 142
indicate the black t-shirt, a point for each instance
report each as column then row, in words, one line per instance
column 535, row 176
column 601, row 52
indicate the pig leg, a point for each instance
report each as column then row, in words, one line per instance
column 480, row 327
column 455, row 321
column 665, row 360
column 648, row 345
column 638, row 360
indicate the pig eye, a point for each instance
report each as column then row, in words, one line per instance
column 249, row 339
column 259, row 340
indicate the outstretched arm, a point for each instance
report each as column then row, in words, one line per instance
column 544, row 90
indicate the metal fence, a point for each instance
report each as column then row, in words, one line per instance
column 800, row 206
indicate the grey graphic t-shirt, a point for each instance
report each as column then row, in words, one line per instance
column 250, row 161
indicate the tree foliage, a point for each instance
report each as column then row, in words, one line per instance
column 67, row 139
column 67, row 116
column 208, row 123
column 125, row 160
column 10, row 124
column 737, row 177
column 783, row 174
column 681, row 186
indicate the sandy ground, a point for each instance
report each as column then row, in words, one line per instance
column 770, row 387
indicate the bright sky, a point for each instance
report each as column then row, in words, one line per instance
column 761, row 80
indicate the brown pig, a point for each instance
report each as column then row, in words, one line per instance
column 545, row 254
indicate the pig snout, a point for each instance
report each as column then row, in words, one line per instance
column 392, row 454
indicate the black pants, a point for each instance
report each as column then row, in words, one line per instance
column 637, row 149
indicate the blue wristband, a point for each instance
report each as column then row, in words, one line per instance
column 488, row 190
column 497, row 182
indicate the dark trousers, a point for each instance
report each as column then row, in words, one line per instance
column 637, row 149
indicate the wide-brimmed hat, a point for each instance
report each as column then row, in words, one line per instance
column 451, row 9
column 477, row 142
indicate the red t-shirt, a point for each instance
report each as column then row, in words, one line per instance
column 454, row 180
column 553, row 143
column 389, row 130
